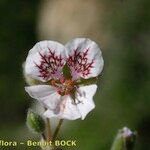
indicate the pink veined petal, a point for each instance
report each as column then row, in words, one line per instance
column 65, row 110
column 45, row 60
column 84, row 58
column 85, row 99
column 45, row 94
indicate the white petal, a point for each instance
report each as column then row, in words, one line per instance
column 84, row 58
column 45, row 94
column 65, row 110
column 85, row 99
column 44, row 60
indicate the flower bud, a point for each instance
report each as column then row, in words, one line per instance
column 124, row 140
column 35, row 122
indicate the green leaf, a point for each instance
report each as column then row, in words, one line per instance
column 67, row 72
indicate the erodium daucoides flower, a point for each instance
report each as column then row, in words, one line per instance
column 67, row 76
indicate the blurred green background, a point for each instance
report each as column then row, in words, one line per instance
column 120, row 27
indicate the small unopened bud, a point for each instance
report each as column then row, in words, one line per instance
column 125, row 140
column 35, row 122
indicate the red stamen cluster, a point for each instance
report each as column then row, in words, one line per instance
column 49, row 64
column 79, row 62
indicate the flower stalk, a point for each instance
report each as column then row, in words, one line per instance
column 48, row 129
column 57, row 130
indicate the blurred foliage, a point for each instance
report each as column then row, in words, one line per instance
column 123, row 98
column 16, row 38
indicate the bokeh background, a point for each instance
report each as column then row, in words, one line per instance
column 120, row 27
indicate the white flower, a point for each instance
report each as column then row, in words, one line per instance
column 63, row 71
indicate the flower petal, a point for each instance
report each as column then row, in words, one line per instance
column 84, row 97
column 45, row 94
column 45, row 60
column 65, row 110
column 84, row 58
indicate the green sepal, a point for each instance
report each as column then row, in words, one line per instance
column 35, row 82
column 35, row 122
column 87, row 81
column 67, row 72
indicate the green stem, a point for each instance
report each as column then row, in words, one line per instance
column 48, row 129
column 57, row 130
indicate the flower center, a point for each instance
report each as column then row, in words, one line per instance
column 64, row 86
